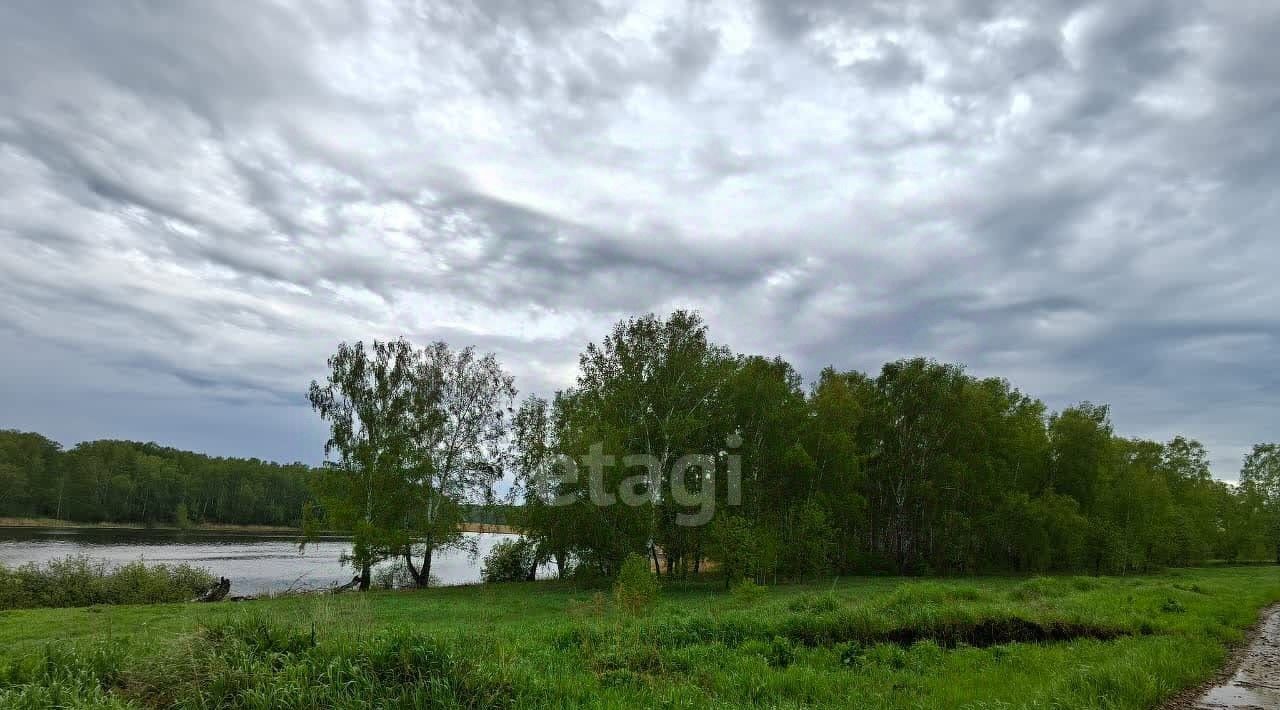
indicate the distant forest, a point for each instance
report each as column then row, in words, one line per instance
column 112, row 481
column 127, row 481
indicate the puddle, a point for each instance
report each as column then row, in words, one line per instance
column 1256, row 684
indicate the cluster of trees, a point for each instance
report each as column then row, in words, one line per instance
column 126, row 481
column 675, row 448
column 417, row 437
column 921, row 468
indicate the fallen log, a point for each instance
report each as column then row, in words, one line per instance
column 354, row 583
column 218, row 592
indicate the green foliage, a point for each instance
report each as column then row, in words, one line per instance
column 414, row 436
column 746, row 591
column 1172, row 606
column 636, row 587
column 815, row 603
column 919, row 469
column 809, row 543
column 781, row 653
column 80, row 581
column 733, row 543
column 509, row 561
column 65, row 677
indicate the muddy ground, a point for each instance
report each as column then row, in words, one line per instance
column 1250, row 681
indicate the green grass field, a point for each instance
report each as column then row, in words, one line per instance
column 1060, row 642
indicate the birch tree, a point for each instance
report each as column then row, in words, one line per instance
column 376, row 402
column 459, row 452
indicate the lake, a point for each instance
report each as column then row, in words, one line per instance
column 254, row 562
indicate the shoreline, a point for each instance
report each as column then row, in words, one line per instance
column 216, row 527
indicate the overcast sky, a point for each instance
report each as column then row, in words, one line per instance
column 199, row 200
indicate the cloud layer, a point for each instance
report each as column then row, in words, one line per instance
column 197, row 201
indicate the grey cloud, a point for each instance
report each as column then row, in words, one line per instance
column 212, row 57
column 893, row 66
column 197, row 204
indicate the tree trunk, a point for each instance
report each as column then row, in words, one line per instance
column 366, row 577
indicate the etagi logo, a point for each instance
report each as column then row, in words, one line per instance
column 690, row 480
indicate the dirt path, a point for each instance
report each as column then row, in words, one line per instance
column 1252, row 678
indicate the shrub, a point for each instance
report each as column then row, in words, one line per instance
column 917, row 594
column 1085, row 584
column 80, row 581
column 1172, row 606
column 781, row 652
column 746, row 591
column 850, row 654
column 636, row 587
column 814, row 603
column 1038, row 588
column 509, row 561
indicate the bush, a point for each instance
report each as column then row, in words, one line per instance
column 814, row 603
column 1173, row 606
column 509, row 561
column 1038, row 588
column 781, row 653
column 636, row 587
column 850, row 653
column 746, row 591
column 916, row 594
column 80, row 581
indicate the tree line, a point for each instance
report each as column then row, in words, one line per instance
column 921, row 468
column 132, row 482
column 686, row 452
column 673, row 447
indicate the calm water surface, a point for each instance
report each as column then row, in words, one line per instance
column 255, row 563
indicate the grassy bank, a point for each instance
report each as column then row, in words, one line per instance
column 1069, row 642
column 79, row 581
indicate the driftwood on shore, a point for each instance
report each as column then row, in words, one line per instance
column 353, row 584
column 218, row 592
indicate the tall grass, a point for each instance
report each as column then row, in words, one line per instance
column 1042, row 643
column 80, row 581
